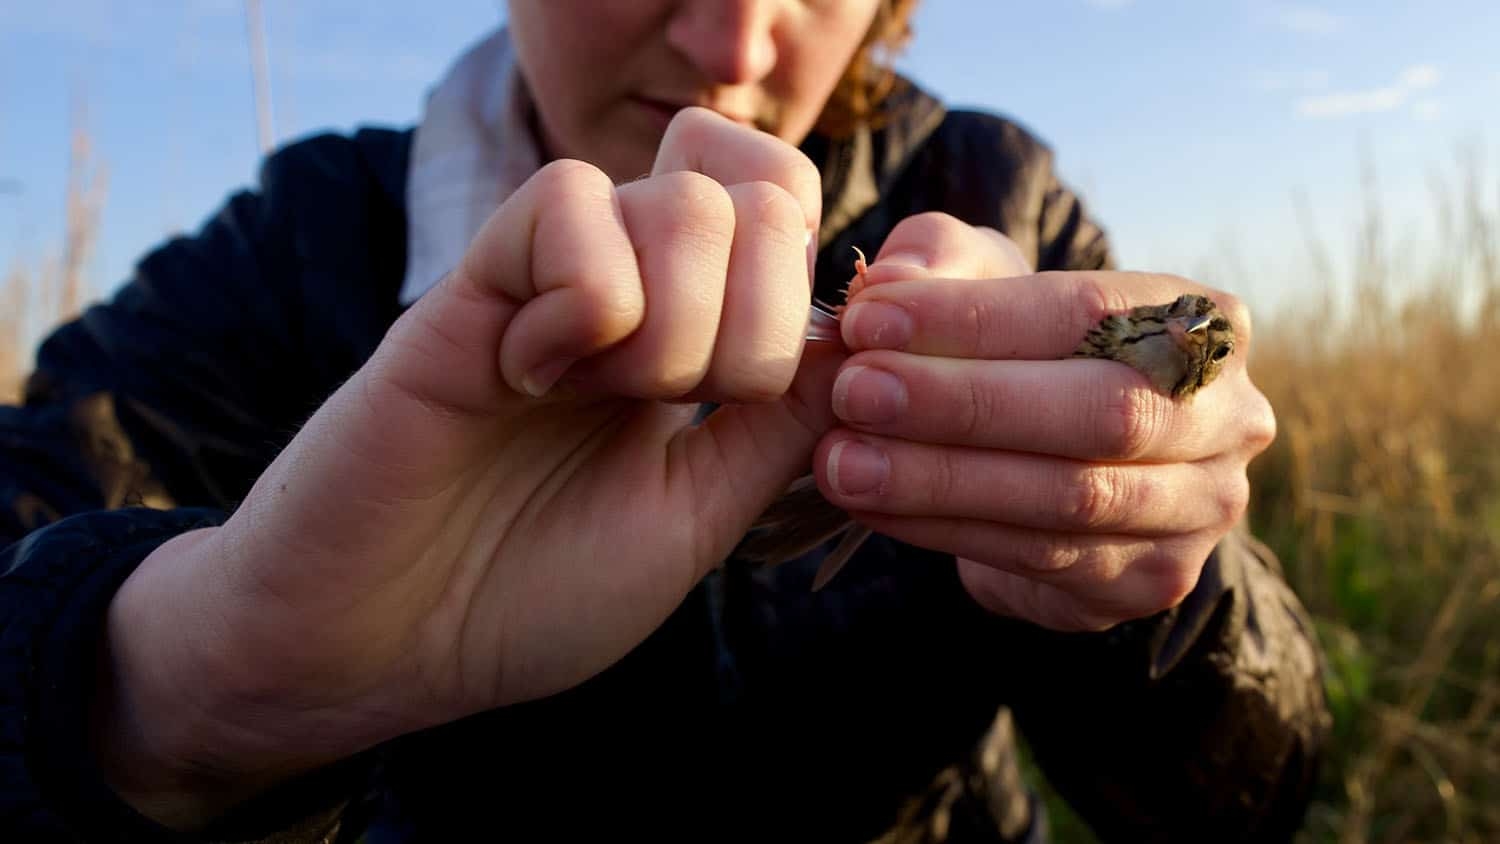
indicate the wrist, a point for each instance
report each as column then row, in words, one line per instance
column 158, row 727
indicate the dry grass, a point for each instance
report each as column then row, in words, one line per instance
column 33, row 300
column 14, row 306
column 1381, row 494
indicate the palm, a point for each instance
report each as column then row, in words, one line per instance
column 605, row 524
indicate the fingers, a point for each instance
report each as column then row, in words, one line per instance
column 688, row 285
column 682, row 226
column 1060, row 582
column 898, row 478
column 748, row 349
column 726, row 297
column 559, row 252
column 1147, row 590
column 1082, row 409
column 704, row 141
column 1035, row 317
column 764, row 321
column 932, row 245
column 939, row 245
column 550, row 276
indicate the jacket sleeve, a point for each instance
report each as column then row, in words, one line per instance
column 145, row 417
column 1205, row 722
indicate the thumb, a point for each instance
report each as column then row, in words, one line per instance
column 744, row 456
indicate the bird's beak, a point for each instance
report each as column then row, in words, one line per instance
column 1182, row 329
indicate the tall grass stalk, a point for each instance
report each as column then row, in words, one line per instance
column 34, row 299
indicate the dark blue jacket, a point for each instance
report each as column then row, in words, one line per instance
column 758, row 710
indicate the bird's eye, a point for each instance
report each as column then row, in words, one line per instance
column 1221, row 353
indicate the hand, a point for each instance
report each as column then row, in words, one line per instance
column 1074, row 494
column 447, row 534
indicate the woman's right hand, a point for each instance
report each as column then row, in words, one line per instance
column 446, row 535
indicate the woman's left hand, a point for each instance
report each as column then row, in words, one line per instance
column 1074, row 494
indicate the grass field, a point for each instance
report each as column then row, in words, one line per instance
column 1381, row 494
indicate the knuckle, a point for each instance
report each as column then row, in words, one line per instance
column 981, row 319
column 804, row 182
column 770, row 207
column 697, row 192
column 1132, row 421
column 928, row 223
column 1233, row 499
column 924, row 233
column 1095, row 300
column 940, row 223
column 944, row 482
column 976, row 411
column 569, row 177
column 1095, row 496
column 1055, row 555
column 690, row 206
column 1014, row 260
column 692, row 126
column 1260, row 424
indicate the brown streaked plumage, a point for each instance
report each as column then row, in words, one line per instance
column 1181, row 347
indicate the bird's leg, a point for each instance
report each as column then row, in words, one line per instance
column 860, row 279
column 825, row 316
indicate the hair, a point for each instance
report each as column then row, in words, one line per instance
column 870, row 79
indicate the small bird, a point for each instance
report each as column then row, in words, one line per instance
column 1180, row 347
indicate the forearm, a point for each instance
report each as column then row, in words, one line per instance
column 200, row 718
column 157, row 725
column 57, row 593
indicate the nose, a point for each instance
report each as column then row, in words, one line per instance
column 731, row 42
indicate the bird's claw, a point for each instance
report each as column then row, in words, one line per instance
column 823, row 321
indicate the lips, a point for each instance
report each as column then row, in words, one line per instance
column 660, row 113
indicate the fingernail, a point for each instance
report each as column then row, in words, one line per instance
column 541, row 379
column 856, row 468
column 872, row 396
column 877, row 325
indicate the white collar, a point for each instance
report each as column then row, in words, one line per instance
column 472, row 148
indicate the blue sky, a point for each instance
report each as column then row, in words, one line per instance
column 1189, row 125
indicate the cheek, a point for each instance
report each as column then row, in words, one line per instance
column 802, row 85
column 814, row 57
column 576, row 72
column 815, row 70
column 573, row 64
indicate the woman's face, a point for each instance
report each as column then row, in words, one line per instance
column 608, row 75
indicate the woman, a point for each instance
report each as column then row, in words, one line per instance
column 434, row 540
